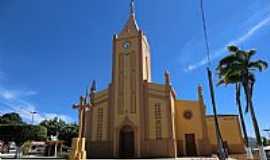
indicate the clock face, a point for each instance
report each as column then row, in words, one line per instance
column 126, row 45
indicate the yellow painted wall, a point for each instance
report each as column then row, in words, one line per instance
column 101, row 100
column 158, row 95
column 151, row 117
column 230, row 130
column 104, row 106
column 146, row 60
column 173, row 114
column 127, row 97
column 187, row 126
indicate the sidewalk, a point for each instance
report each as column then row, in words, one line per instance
column 12, row 156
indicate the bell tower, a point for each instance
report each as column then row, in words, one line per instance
column 131, row 63
column 131, row 69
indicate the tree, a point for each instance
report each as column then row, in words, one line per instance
column 230, row 80
column 239, row 106
column 265, row 141
column 22, row 133
column 54, row 126
column 70, row 131
column 238, row 68
column 65, row 131
column 11, row 118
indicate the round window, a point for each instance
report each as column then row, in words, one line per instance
column 187, row 114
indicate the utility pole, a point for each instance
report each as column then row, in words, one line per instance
column 222, row 153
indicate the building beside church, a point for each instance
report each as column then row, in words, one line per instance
column 136, row 117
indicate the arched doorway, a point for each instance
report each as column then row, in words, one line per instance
column 126, row 142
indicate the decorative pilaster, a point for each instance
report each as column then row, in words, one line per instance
column 167, row 78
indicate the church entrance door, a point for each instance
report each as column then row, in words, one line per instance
column 126, row 142
column 190, row 145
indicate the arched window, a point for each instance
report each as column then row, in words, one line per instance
column 99, row 124
column 158, row 120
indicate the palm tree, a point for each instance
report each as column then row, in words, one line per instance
column 231, row 80
column 238, row 68
column 239, row 106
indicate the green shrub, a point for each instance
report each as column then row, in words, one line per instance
column 25, row 148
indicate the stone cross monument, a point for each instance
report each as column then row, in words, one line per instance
column 78, row 144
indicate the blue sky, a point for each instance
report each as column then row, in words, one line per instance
column 50, row 50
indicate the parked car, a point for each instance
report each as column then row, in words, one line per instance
column 12, row 147
column 38, row 148
column 266, row 149
column 1, row 146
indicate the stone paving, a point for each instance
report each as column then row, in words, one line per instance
column 11, row 156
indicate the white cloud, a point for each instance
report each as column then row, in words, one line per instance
column 61, row 116
column 219, row 52
column 252, row 31
column 204, row 61
column 15, row 94
column 25, row 108
column 7, row 95
column 15, row 101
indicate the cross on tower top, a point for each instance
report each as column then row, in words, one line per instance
column 132, row 7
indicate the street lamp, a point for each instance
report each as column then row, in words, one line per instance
column 33, row 113
column 268, row 132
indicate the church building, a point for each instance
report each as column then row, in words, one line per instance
column 138, row 118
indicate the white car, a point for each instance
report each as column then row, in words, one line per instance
column 266, row 149
column 12, row 147
column 38, row 147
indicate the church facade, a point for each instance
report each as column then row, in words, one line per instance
column 135, row 117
